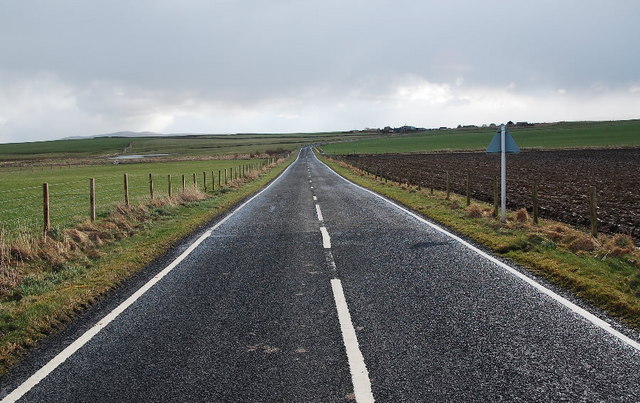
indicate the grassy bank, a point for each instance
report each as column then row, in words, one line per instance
column 604, row 271
column 46, row 296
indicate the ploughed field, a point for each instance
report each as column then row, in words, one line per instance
column 563, row 177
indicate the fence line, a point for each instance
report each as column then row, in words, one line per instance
column 61, row 204
column 474, row 186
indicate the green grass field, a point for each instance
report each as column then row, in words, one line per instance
column 177, row 146
column 543, row 136
column 21, row 191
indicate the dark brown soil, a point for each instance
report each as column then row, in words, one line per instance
column 563, row 178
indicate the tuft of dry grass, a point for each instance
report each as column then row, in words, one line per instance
column 620, row 245
column 522, row 216
column 80, row 238
column 583, row 242
column 54, row 253
column 557, row 232
column 191, row 194
column 23, row 249
column 10, row 279
column 474, row 211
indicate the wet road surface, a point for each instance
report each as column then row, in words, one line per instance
column 318, row 291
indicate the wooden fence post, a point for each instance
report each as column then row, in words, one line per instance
column 204, row 181
column 448, row 185
column 184, row 182
column 213, row 182
column 126, row 189
column 170, row 188
column 45, row 207
column 195, row 181
column 593, row 209
column 496, row 197
column 151, row 186
column 92, row 199
column 535, row 202
column 433, row 182
column 468, row 190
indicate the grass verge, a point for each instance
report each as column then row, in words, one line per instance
column 603, row 271
column 46, row 296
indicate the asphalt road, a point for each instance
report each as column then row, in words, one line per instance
column 318, row 291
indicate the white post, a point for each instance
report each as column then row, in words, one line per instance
column 503, row 175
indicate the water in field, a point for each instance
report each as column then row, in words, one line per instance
column 136, row 156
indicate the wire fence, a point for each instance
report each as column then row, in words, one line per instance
column 593, row 201
column 34, row 209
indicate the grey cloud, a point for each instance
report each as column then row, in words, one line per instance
column 121, row 57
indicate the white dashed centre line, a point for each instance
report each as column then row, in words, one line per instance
column 315, row 198
column 326, row 240
column 359, row 373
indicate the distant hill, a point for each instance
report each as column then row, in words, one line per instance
column 138, row 134
column 130, row 134
column 118, row 134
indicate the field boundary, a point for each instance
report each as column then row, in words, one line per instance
column 604, row 199
column 40, row 208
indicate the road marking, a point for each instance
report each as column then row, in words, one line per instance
column 330, row 260
column 311, row 187
column 544, row 290
column 49, row 367
column 326, row 240
column 315, row 198
column 359, row 373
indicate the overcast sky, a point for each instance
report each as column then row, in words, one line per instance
column 70, row 68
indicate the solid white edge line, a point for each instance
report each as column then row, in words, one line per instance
column 326, row 240
column 357, row 367
column 320, row 218
column 43, row 372
column 573, row 307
